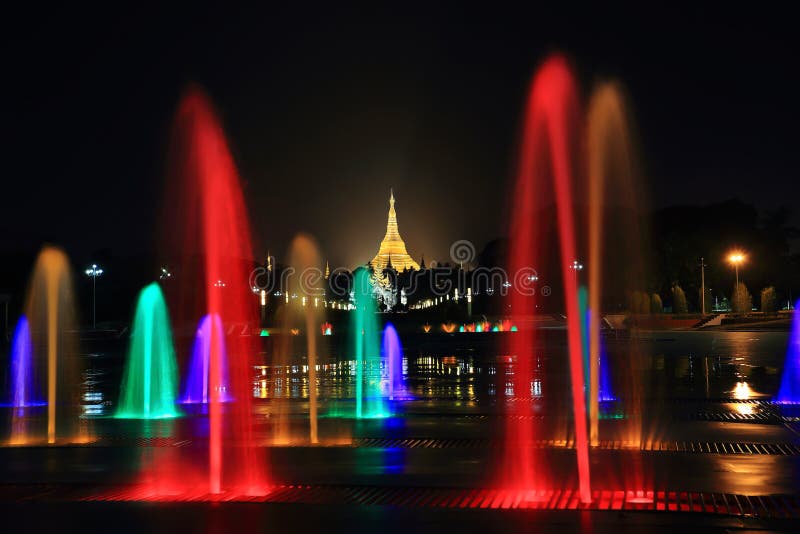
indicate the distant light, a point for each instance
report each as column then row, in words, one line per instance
column 263, row 297
column 736, row 257
column 94, row 271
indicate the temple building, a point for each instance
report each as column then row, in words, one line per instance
column 393, row 250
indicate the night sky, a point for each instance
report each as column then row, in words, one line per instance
column 326, row 109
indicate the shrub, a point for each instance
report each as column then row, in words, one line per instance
column 656, row 306
column 679, row 300
column 768, row 300
column 741, row 301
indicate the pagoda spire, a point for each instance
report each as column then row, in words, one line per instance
column 393, row 249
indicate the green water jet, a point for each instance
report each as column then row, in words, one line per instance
column 149, row 384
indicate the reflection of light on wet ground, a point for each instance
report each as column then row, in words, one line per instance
column 742, row 391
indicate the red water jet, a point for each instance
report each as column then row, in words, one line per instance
column 212, row 238
column 547, row 154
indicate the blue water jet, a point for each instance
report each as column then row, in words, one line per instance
column 23, row 384
column 789, row 393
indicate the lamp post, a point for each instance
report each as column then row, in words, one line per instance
column 94, row 271
column 576, row 266
column 702, row 287
column 736, row 258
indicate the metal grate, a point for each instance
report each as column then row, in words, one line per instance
column 712, row 447
column 760, row 506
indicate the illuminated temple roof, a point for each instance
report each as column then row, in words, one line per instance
column 392, row 248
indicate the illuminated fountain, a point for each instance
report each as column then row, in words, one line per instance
column 366, row 349
column 23, row 382
column 46, row 357
column 393, row 358
column 616, row 252
column 549, row 143
column 605, row 390
column 149, row 384
column 789, row 392
column 195, row 389
column 305, row 258
column 212, row 251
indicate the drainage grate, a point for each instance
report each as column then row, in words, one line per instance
column 712, row 447
column 762, row 506
column 113, row 441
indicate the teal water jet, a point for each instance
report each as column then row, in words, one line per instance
column 366, row 348
column 149, row 385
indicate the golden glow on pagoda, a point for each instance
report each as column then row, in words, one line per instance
column 392, row 248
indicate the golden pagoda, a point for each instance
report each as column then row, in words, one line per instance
column 393, row 249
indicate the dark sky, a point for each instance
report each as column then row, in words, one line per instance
column 328, row 108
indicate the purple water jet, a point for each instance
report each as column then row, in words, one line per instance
column 195, row 389
column 393, row 358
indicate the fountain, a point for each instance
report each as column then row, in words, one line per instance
column 23, row 382
column 149, row 382
column 617, row 250
column 46, row 358
column 393, row 358
column 215, row 260
column 550, row 140
column 304, row 258
column 195, row 390
column 366, row 348
column 789, row 393
column 605, row 390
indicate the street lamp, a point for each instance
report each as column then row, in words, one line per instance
column 702, row 287
column 576, row 266
column 736, row 258
column 94, row 271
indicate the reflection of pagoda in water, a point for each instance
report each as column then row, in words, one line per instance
column 392, row 251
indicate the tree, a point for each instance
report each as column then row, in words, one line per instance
column 742, row 301
column 768, row 300
column 639, row 302
column 656, row 306
column 679, row 300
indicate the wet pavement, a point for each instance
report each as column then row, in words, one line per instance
column 708, row 429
